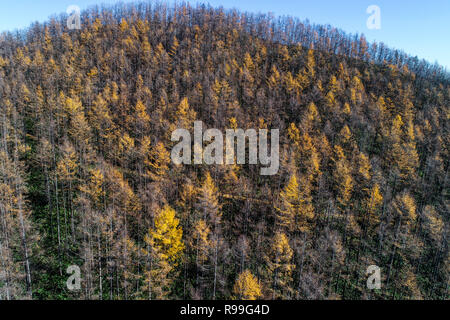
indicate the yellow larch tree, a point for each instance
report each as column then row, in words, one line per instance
column 279, row 266
column 158, row 162
column 343, row 180
column 247, row 286
column 296, row 210
column 373, row 204
column 164, row 249
column 404, row 207
column 208, row 201
column 202, row 243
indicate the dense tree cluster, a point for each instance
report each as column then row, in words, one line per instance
column 86, row 177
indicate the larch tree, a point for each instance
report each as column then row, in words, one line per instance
column 210, row 211
column 279, row 267
column 247, row 286
column 164, row 250
column 296, row 210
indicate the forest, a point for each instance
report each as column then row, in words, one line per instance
column 86, row 177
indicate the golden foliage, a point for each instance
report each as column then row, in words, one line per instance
column 247, row 286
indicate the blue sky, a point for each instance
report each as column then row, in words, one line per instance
column 418, row 27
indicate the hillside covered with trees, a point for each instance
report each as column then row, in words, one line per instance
column 86, row 176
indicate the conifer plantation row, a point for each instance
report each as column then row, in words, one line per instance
column 86, row 177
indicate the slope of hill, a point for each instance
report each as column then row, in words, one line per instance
column 86, row 178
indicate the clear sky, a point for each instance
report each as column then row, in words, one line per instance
column 417, row 27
